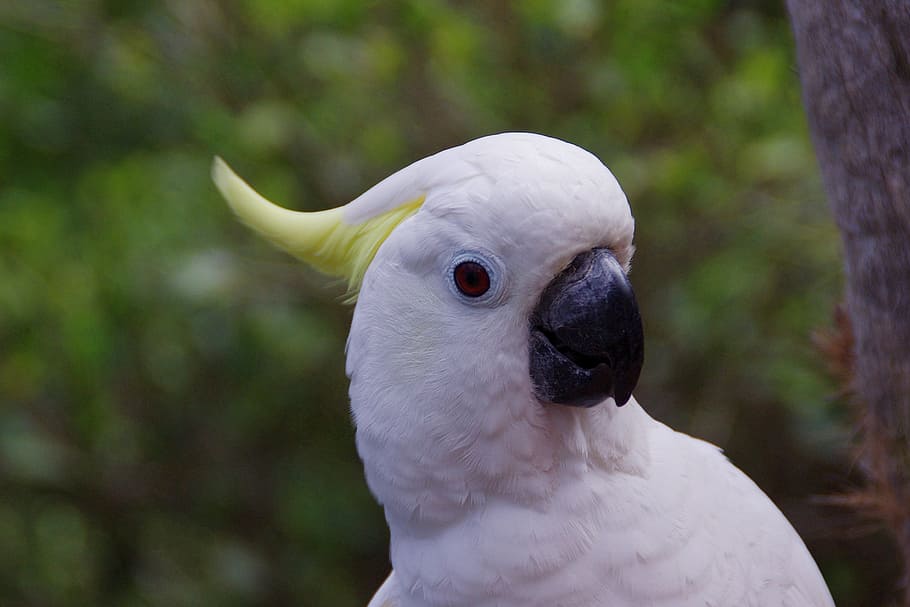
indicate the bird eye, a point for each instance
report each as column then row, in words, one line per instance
column 477, row 278
column 471, row 278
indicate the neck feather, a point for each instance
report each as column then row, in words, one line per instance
column 431, row 482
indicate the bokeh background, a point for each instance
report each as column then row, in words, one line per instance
column 173, row 410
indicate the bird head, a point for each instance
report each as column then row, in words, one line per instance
column 492, row 297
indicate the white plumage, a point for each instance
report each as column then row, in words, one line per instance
column 492, row 497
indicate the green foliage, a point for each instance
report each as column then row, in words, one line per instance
column 173, row 426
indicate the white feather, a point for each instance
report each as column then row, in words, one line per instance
column 495, row 499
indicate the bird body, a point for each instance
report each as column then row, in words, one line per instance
column 493, row 350
column 670, row 523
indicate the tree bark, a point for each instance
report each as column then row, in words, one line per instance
column 854, row 63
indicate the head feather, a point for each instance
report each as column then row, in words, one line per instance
column 327, row 240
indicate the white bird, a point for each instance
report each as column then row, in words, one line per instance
column 494, row 347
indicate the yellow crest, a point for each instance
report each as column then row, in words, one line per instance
column 323, row 239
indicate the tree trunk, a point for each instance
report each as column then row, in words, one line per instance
column 854, row 63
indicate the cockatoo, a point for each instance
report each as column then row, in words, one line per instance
column 493, row 351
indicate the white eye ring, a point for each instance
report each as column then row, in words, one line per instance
column 462, row 280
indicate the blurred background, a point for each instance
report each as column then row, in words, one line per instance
column 173, row 411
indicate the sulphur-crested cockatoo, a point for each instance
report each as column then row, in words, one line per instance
column 493, row 351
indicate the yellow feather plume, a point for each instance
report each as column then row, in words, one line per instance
column 322, row 239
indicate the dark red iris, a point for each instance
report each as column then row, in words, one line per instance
column 471, row 278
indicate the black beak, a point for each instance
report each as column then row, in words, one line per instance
column 586, row 336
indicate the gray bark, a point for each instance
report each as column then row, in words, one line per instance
column 854, row 64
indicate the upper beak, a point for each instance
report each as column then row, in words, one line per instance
column 587, row 342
